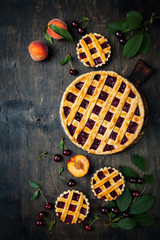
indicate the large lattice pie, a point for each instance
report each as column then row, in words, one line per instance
column 102, row 112
column 72, row 207
column 107, row 183
column 93, row 50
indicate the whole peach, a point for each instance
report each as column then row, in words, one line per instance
column 38, row 50
column 58, row 23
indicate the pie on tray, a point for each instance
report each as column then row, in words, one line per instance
column 107, row 183
column 102, row 112
column 93, row 50
column 72, row 207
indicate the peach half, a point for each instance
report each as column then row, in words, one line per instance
column 58, row 23
column 38, row 50
column 78, row 165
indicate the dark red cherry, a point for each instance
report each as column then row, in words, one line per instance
column 48, row 206
column 66, row 152
column 41, row 214
column 80, row 30
column 73, row 72
column 118, row 34
column 57, row 158
column 87, row 227
column 74, row 24
column 114, row 210
column 132, row 180
column 125, row 214
column 71, row 183
column 104, row 210
column 39, row 223
column 122, row 41
column 140, row 181
column 135, row 194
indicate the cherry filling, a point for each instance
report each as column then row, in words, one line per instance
column 84, row 104
column 90, row 123
column 72, row 207
column 121, row 186
column 97, row 190
column 103, row 197
column 97, row 61
column 113, row 135
column 71, row 129
column 110, row 170
column 131, row 94
column 94, row 181
column 103, row 95
column 84, row 202
column 79, row 46
column 66, row 111
column 93, row 50
column 108, row 116
column 104, row 45
column 78, row 116
column 65, row 195
column 71, row 97
column 126, row 107
column 88, row 40
column 102, row 130
column 132, row 127
column 90, row 90
column 75, row 196
column 82, row 137
column 124, row 140
column 88, row 63
column 110, row 81
column 114, row 194
column 95, row 144
column 115, row 102
column 108, row 148
column 106, row 55
column 98, row 37
column 59, row 214
column 107, row 184
column 60, row 204
column 116, row 178
column 96, row 110
column 82, row 55
column 69, row 219
column 119, row 122
column 137, row 112
column 101, row 175
column 79, row 85
column 97, row 77
column 122, row 87
column 83, row 211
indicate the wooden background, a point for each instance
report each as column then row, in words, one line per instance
column 30, row 95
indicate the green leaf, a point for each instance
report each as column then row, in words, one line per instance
column 142, row 204
column 148, row 178
column 51, row 225
column 151, row 19
column 85, row 18
column 62, row 32
column 124, row 200
column 127, row 172
column 61, row 144
column 95, row 217
column 127, row 223
column 114, row 225
column 48, row 37
column 145, row 43
column 112, row 204
column 113, row 27
column 132, row 46
column 35, row 195
column 61, row 170
column 144, row 219
column 65, row 60
column 137, row 186
column 34, row 184
column 139, row 162
column 133, row 20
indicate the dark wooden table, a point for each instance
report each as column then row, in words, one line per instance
column 30, row 95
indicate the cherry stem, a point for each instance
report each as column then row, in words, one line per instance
column 72, row 68
column 113, row 221
column 129, row 35
column 48, row 155
column 48, row 220
column 63, row 178
column 93, row 221
column 43, row 196
column 85, row 24
column 143, row 189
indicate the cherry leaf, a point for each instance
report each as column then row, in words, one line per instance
column 62, row 32
column 61, row 170
column 124, row 200
column 148, row 178
column 145, row 43
column 144, row 219
column 64, row 61
column 127, row 223
column 112, row 27
column 132, row 46
column 133, row 19
column 51, row 225
column 34, row 184
column 127, row 172
column 85, row 18
column 142, row 204
column 151, row 19
column 139, row 162
column 35, row 195
column 61, row 144
column 48, row 37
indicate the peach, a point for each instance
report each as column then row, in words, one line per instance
column 78, row 165
column 38, row 50
column 58, row 23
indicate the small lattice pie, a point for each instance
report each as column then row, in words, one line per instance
column 102, row 112
column 72, row 207
column 93, row 50
column 107, row 183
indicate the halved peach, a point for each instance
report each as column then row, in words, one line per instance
column 78, row 165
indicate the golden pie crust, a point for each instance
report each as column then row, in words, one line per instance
column 102, row 112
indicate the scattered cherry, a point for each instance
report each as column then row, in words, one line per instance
column 87, row 227
column 80, row 30
column 140, row 181
column 118, row 34
column 122, row 41
column 71, row 183
column 125, row 214
column 135, row 194
column 73, row 72
column 41, row 214
column 66, row 152
column 104, row 210
column 57, row 158
column 39, row 223
column 48, row 206
column 132, row 180
column 114, row 210
column 74, row 24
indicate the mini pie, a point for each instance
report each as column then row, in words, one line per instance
column 72, row 207
column 93, row 50
column 102, row 112
column 107, row 183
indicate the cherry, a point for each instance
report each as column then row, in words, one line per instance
column 87, row 227
column 71, row 183
column 114, row 210
column 39, row 223
column 74, row 24
column 124, row 214
column 122, row 41
column 140, row 181
column 73, row 72
column 80, row 30
column 135, row 194
column 132, row 180
column 41, row 214
column 57, row 158
column 48, row 206
column 104, row 210
column 66, row 152
column 118, row 34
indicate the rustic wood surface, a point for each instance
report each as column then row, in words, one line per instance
column 30, row 94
